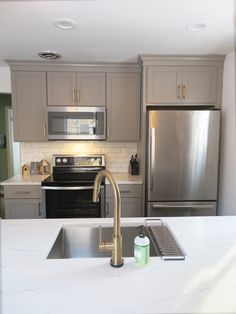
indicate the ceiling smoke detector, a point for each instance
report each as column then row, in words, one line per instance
column 49, row 55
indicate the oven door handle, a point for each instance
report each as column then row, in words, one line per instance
column 68, row 188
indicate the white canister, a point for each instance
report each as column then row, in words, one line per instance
column 141, row 249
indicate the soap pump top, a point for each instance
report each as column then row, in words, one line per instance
column 142, row 239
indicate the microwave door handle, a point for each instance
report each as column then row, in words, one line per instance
column 96, row 121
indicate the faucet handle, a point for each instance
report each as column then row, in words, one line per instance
column 104, row 245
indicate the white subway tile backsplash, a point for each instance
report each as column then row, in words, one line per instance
column 117, row 154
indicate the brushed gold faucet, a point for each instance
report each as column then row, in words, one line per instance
column 116, row 245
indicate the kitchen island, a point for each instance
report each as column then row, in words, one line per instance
column 205, row 282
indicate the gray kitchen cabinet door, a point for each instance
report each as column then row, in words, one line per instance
column 61, row 88
column 24, row 209
column 126, row 190
column 90, row 89
column 130, row 207
column 164, row 84
column 29, row 104
column 123, row 107
column 199, row 85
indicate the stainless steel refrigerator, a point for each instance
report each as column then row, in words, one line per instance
column 182, row 162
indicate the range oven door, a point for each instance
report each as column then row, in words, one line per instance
column 73, row 202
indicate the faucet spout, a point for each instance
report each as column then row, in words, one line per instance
column 116, row 245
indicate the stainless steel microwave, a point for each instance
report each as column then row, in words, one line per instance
column 76, row 123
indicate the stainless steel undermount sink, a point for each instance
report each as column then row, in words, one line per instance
column 75, row 241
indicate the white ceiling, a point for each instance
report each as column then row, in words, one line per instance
column 114, row 30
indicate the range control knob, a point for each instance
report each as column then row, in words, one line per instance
column 58, row 160
column 64, row 160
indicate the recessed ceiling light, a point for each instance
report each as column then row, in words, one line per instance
column 65, row 24
column 196, row 26
column 49, row 55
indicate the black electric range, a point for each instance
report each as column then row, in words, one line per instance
column 68, row 191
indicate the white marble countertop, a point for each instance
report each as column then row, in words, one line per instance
column 203, row 283
column 25, row 180
column 120, row 177
column 126, row 178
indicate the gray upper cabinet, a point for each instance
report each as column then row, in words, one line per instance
column 91, row 89
column 182, row 80
column 29, row 103
column 123, row 106
column 61, row 88
column 199, row 85
column 164, row 84
column 185, row 85
column 76, row 89
column 36, row 86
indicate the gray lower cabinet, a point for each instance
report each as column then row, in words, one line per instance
column 131, row 200
column 23, row 209
column 123, row 107
column 29, row 104
column 76, row 88
column 23, row 202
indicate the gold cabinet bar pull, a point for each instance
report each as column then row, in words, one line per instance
column 78, row 95
column 74, row 95
column 183, row 92
column 179, row 91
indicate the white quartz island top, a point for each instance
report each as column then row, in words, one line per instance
column 205, row 282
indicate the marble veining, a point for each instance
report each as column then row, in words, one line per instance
column 204, row 283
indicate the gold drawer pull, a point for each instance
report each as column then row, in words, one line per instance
column 22, row 192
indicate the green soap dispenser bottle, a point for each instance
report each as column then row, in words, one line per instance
column 141, row 249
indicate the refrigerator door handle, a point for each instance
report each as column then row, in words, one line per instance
column 152, row 157
column 181, row 206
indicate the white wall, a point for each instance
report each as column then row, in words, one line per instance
column 227, row 179
column 5, row 80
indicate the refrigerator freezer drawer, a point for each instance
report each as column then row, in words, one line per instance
column 175, row 209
